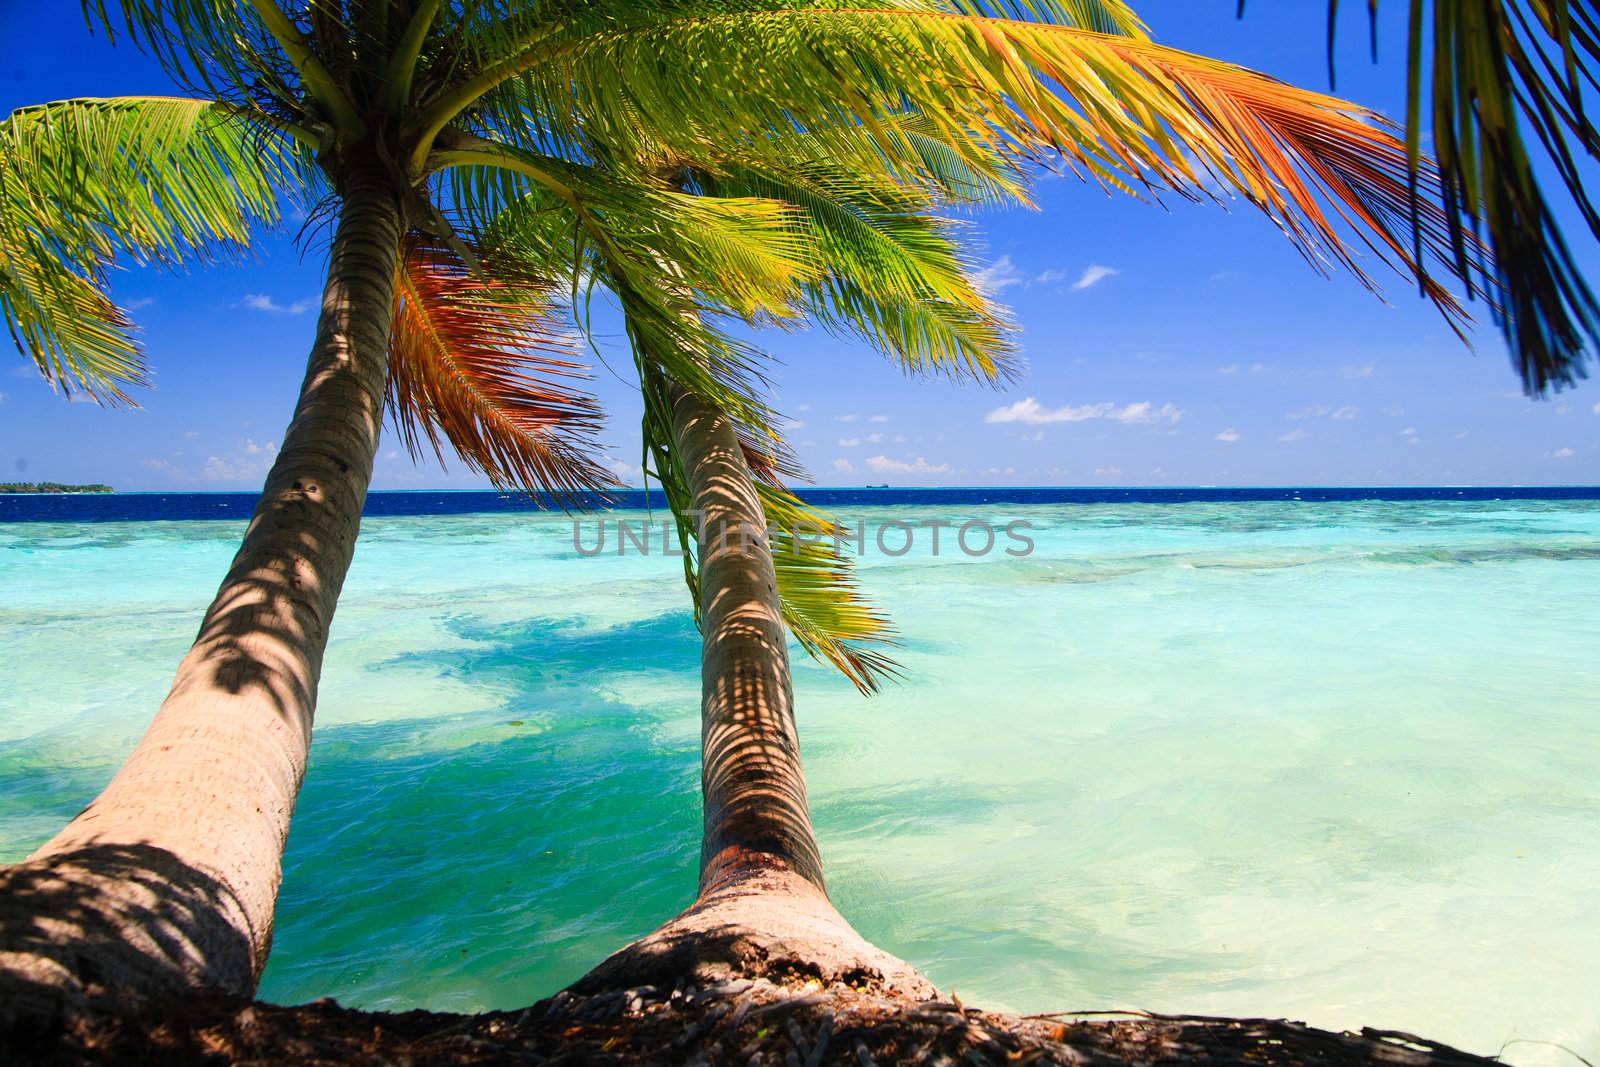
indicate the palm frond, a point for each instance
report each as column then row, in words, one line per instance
column 752, row 252
column 216, row 47
column 509, row 42
column 484, row 365
column 1120, row 110
column 83, row 182
column 893, row 273
column 1497, row 65
column 822, row 601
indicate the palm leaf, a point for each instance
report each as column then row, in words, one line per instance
column 482, row 365
column 1500, row 68
column 1120, row 110
column 83, row 181
column 821, row 599
column 893, row 273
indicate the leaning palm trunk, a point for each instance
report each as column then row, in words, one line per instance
column 167, row 881
column 762, row 907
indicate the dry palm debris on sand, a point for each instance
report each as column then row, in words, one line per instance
column 740, row 1022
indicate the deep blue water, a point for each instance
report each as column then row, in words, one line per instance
column 132, row 507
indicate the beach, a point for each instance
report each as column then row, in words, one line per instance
column 1324, row 760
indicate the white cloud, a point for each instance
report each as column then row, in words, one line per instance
column 627, row 473
column 1049, row 276
column 1294, row 435
column 879, row 418
column 1030, row 411
column 263, row 302
column 2, row 398
column 219, row 469
column 1364, row 370
column 1144, row 411
column 843, row 466
column 874, row 438
column 999, row 276
column 1317, row 411
column 1001, row 470
column 849, row 442
column 846, row 418
column 190, row 435
column 247, row 465
column 885, row 465
column 1563, row 453
column 142, row 302
column 1229, row 435
column 1409, row 431
column 1232, row 368
column 1107, row 472
column 1094, row 276
column 1257, row 368
column 797, row 424
column 1597, row 409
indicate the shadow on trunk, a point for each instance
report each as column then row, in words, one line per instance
column 763, row 908
column 114, row 924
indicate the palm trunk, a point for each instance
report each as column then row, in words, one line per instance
column 167, row 880
column 753, row 787
column 762, row 908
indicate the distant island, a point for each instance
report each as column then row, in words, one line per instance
column 52, row 487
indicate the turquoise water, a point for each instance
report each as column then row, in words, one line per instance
column 1330, row 761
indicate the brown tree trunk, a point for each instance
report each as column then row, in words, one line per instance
column 168, row 879
column 762, row 909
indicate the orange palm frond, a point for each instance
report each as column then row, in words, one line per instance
column 485, row 365
column 1302, row 157
column 1122, row 110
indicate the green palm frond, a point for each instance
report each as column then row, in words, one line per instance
column 822, row 601
column 750, row 251
column 219, row 46
column 893, row 272
column 1117, row 109
column 1500, row 68
column 83, row 182
column 1485, row 71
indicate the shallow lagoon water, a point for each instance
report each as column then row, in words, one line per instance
column 1334, row 761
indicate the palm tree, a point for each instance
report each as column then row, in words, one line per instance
column 699, row 159
column 762, row 906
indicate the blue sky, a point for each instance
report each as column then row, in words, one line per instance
column 1165, row 345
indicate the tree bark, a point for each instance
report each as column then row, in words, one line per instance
column 762, row 908
column 167, row 881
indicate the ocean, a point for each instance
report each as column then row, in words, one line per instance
column 1325, row 754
